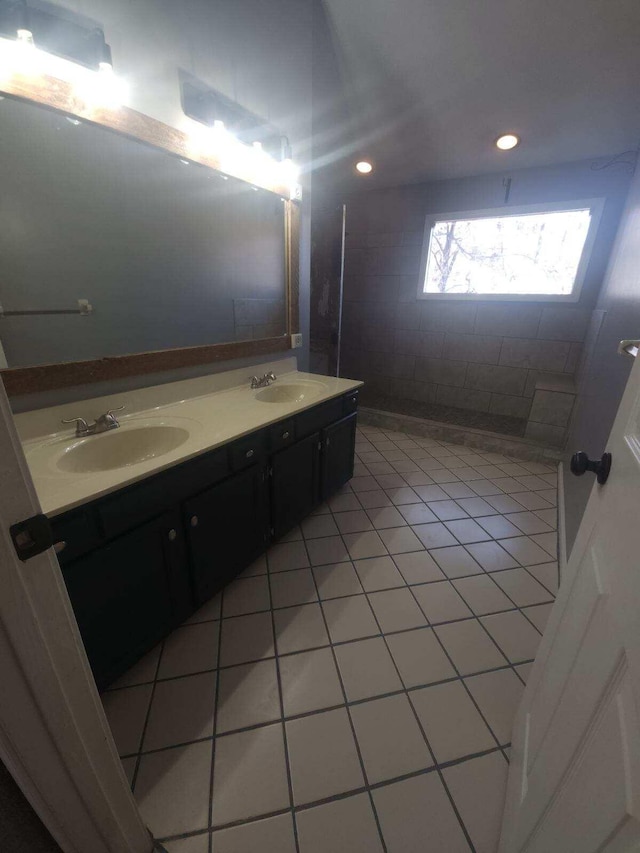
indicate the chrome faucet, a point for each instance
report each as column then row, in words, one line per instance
column 267, row 379
column 104, row 423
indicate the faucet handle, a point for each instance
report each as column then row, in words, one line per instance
column 109, row 419
column 81, row 424
column 111, row 411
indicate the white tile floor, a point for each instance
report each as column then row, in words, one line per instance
column 358, row 693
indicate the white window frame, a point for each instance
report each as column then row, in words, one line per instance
column 595, row 205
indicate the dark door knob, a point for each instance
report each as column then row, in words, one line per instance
column 580, row 463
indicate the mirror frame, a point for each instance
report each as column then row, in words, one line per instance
column 59, row 96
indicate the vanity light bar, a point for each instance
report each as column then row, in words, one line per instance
column 22, row 58
column 38, row 42
column 245, row 144
column 55, row 31
column 94, row 92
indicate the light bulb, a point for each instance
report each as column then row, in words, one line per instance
column 25, row 36
column 102, row 88
column 21, row 56
column 507, row 141
column 364, row 167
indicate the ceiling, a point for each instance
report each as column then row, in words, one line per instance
column 430, row 84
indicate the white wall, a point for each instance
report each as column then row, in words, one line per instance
column 604, row 373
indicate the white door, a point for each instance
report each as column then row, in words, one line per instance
column 574, row 783
column 54, row 737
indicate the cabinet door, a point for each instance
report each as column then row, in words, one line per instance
column 338, row 450
column 123, row 594
column 294, row 484
column 227, row 529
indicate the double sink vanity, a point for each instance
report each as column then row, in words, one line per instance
column 155, row 512
column 158, row 496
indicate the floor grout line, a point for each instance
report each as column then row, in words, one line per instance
column 215, row 723
column 464, row 684
column 336, row 644
column 287, row 756
column 457, row 671
column 134, row 778
column 351, row 724
column 420, row 726
column 398, row 479
column 316, row 711
column 478, row 619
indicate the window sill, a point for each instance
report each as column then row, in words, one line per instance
column 571, row 298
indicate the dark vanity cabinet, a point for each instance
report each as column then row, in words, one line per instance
column 338, row 443
column 125, row 595
column 227, row 528
column 295, row 483
column 311, row 470
column 139, row 562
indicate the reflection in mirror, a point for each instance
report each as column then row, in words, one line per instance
column 110, row 247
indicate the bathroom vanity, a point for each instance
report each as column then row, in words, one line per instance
column 187, row 261
column 144, row 544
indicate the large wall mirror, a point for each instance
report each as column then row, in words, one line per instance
column 111, row 247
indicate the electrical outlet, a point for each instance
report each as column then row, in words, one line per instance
column 296, row 341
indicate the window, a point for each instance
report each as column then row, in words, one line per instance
column 534, row 252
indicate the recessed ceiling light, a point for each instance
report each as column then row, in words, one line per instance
column 364, row 167
column 507, row 141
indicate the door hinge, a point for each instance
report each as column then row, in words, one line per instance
column 327, row 441
column 272, row 531
column 319, row 445
column 32, row 536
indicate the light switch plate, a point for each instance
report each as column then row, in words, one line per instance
column 296, row 341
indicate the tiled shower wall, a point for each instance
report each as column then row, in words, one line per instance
column 481, row 356
column 477, row 356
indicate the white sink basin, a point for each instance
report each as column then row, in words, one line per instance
column 120, row 448
column 135, row 442
column 293, row 392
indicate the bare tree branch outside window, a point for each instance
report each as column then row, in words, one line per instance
column 529, row 253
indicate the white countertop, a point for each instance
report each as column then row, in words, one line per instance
column 213, row 410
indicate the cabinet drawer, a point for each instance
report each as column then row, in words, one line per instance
column 197, row 474
column 321, row 416
column 79, row 531
column 247, row 451
column 350, row 403
column 282, row 434
column 157, row 494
